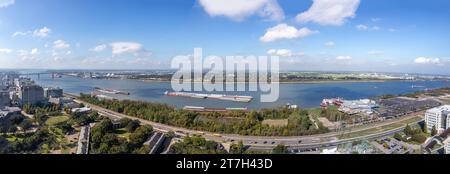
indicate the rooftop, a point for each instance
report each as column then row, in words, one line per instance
column 440, row 109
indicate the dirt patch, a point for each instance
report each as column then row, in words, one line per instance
column 325, row 122
column 276, row 123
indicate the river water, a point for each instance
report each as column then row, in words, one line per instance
column 303, row 95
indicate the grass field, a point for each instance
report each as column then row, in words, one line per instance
column 12, row 138
column 52, row 121
column 382, row 128
column 122, row 133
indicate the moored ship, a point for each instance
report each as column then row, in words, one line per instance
column 204, row 109
column 234, row 98
column 111, row 91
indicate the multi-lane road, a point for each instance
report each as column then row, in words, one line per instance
column 266, row 142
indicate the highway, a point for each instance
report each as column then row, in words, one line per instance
column 263, row 142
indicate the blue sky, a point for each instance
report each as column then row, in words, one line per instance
column 344, row 35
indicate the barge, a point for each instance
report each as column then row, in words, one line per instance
column 204, row 109
column 234, row 98
column 111, row 91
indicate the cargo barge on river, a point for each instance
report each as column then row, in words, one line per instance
column 111, row 91
column 204, row 109
column 234, row 98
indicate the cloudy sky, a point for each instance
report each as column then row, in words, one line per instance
column 343, row 35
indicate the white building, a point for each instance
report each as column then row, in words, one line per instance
column 53, row 92
column 81, row 110
column 447, row 145
column 358, row 106
column 438, row 117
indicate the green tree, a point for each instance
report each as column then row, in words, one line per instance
column 237, row 148
column 280, row 149
column 425, row 128
column 25, row 125
column 132, row 125
column 170, row 134
column 124, row 122
column 398, row 137
column 408, row 131
column 3, row 145
column 433, row 131
column 140, row 136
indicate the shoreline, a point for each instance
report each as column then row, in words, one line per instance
column 290, row 82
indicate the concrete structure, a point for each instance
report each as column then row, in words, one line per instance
column 63, row 102
column 9, row 111
column 155, row 141
column 358, row 106
column 19, row 82
column 447, row 145
column 53, row 92
column 8, row 79
column 81, row 110
column 31, row 94
column 83, row 140
column 438, row 117
column 4, row 98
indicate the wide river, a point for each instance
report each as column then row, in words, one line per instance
column 301, row 94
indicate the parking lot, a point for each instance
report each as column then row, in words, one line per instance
column 397, row 107
column 391, row 146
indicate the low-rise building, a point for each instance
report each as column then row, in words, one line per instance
column 447, row 145
column 358, row 106
column 53, row 92
column 438, row 117
column 64, row 102
column 9, row 111
column 81, row 110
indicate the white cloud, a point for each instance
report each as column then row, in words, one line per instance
column 99, row 48
column 376, row 19
column 129, row 47
column 392, row 29
column 238, row 10
column 345, row 58
column 284, row 31
column 28, row 55
column 329, row 12
column 426, row 60
column 6, row 3
column 34, row 51
column 330, row 44
column 375, row 52
column 283, row 53
column 43, row 32
column 5, row 51
column 60, row 44
column 376, row 28
column 19, row 33
column 362, row 27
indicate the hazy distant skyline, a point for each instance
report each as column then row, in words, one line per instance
column 327, row 35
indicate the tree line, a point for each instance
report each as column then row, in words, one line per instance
column 248, row 123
